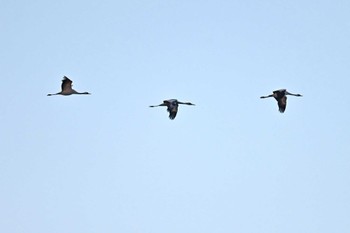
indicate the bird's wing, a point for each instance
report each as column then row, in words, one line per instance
column 162, row 104
column 267, row 96
column 288, row 93
column 66, row 84
column 187, row 103
column 282, row 104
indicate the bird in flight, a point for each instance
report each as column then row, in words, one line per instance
column 172, row 106
column 281, row 97
column 66, row 88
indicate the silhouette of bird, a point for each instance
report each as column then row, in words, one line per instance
column 172, row 106
column 67, row 88
column 281, row 97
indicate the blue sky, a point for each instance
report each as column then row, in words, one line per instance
column 232, row 163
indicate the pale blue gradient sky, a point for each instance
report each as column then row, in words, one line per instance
column 232, row 163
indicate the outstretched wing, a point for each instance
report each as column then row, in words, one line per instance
column 66, row 84
column 267, row 96
column 282, row 104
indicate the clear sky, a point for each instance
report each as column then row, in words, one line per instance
column 232, row 163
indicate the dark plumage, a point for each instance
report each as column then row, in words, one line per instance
column 281, row 97
column 66, row 88
column 172, row 106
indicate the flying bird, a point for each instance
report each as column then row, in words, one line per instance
column 172, row 106
column 281, row 97
column 67, row 88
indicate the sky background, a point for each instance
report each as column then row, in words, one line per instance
column 232, row 163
